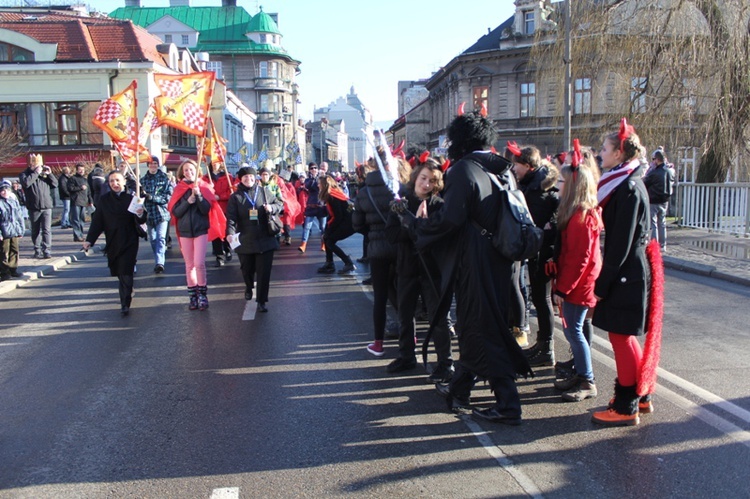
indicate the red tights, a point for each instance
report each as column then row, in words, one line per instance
column 628, row 355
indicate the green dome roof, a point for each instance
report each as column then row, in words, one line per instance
column 262, row 23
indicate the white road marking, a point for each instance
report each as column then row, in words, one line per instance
column 526, row 483
column 226, row 493
column 249, row 313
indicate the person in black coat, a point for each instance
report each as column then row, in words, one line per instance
column 247, row 215
column 119, row 226
column 64, row 194
column 419, row 274
column 371, row 208
column 338, row 226
column 37, row 181
column 80, row 198
column 537, row 179
column 481, row 276
column 622, row 286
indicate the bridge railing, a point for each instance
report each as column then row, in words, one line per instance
column 716, row 207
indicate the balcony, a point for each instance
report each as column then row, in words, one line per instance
column 277, row 84
column 273, row 118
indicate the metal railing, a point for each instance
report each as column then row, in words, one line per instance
column 716, row 207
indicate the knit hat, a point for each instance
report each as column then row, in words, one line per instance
column 264, row 170
column 154, row 159
column 246, row 170
column 4, row 185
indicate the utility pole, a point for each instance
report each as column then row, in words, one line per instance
column 568, row 82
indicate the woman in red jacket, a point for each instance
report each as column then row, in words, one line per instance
column 579, row 262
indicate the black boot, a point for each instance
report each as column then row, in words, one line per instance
column 544, row 355
column 327, row 268
column 202, row 297
column 348, row 266
column 193, row 294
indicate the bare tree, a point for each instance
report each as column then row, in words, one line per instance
column 9, row 145
column 678, row 69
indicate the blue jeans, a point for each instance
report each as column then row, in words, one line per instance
column 574, row 316
column 65, row 219
column 76, row 220
column 307, row 226
column 157, row 235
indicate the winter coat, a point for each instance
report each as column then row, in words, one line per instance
column 222, row 188
column 480, row 276
column 157, row 191
column 62, row 186
column 254, row 236
column 37, row 189
column 78, row 195
column 367, row 218
column 408, row 264
column 623, row 282
column 192, row 219
column 119, row 226
column 313, row 207
column 659, row 182
column 539, row 188
column 11, row 218
column 579, row 261
column 292, row 209
column 98, row 185
column 339, row 224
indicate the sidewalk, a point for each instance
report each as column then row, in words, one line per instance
column 694, row 251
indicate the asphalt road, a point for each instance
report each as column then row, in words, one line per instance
column 227, row 403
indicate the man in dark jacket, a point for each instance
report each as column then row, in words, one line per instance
column 480, row 275
column 315, row 211
column 538, row 182
column 119, row 225
column 659, row 182
column 62, row 190
column 37, row 182
column 80, row 198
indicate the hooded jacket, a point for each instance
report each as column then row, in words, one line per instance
column 371, row 208
column 539, row 187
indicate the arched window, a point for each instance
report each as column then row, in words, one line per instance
column 13, row 53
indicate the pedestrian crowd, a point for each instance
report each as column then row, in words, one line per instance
column 428, row 227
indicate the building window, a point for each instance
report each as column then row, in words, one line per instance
column 263, row 38
column 528, row 22
column 638, row 94
column 528, row 100
column 167, row 38
column 185, row 40
column 274, row 70
column 480, row 95
column 215, row 66
column 13, row 53
column 52, row 124
column 582, row 96
column 263, row 69
column 178, row 138
column 265, row 137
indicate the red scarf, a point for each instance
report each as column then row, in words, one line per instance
column 217, row 222
column 341, row 196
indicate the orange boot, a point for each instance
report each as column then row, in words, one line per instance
column 303, row 246
column 623, row 411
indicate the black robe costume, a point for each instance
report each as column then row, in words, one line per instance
column 119, row 226
column 481, row 276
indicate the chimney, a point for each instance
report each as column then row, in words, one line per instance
column 229, row 3
column 132, row 3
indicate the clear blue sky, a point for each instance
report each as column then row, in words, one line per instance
column 369, row 44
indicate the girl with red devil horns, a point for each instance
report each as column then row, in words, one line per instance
column 629, row 288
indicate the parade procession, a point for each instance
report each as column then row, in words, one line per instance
column 519, row 274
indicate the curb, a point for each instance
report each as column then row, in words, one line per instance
column 703, row 270
column 39, row 271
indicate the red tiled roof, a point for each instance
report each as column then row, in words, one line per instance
column 87, row 38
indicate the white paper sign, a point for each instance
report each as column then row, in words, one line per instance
column 234, row 241
column 136, row 204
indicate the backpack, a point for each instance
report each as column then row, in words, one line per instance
column 514, row 236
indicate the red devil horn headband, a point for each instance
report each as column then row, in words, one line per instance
column 423, row 157
column 513, row 148
column 575, row 161
column 461, row 108
column 446, row 165
column 625, row 132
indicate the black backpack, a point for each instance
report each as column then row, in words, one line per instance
column 514, row 236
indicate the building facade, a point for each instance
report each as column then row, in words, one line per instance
column 246, row 53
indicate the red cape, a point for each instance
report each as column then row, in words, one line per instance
column 217, row 222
